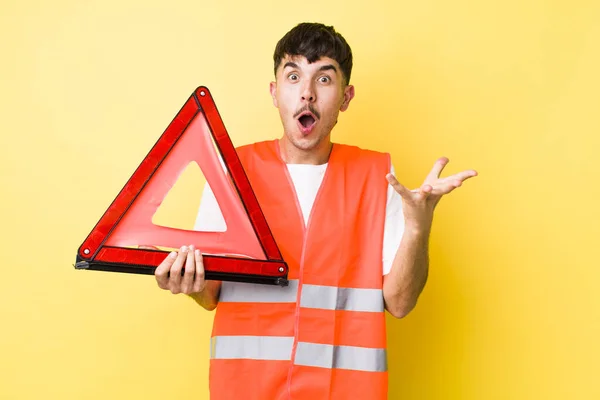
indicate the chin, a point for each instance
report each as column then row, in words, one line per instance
column 306, row 144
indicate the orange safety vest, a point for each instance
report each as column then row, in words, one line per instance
column 323, row 336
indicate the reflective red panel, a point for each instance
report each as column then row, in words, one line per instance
column 127, row 223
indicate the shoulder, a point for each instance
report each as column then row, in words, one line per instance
column 358, row 154
column 257, row 147
column 262, row 143
column 259, row 150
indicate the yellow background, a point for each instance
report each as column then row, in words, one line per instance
column 510, row 88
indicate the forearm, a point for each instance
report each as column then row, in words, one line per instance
column 408, row 275
column 209, row 297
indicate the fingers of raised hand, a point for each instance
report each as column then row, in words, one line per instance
column 437, row 169
column 446, row 185
column 404, row 192
column 464, row 175
column 424, row 191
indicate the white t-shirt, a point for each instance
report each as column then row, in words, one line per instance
column 307, row 179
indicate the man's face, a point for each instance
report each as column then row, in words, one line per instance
column 309, row 98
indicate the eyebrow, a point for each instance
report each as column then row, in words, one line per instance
column 328, row 67
column 291, row 64
column 323, row 68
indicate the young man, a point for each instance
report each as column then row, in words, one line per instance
column 355, row 240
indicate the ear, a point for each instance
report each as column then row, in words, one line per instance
column 348, row 95
column 273, row 90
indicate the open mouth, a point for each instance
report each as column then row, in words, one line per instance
column 307, row 120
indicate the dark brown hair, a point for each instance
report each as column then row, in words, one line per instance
column 313, row 41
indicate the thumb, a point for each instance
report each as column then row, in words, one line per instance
column 398, row 187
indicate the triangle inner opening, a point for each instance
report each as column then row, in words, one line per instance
column 190, row 204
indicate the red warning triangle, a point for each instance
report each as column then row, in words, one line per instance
column 128, row 220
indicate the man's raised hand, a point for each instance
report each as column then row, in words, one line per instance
column 419, row 204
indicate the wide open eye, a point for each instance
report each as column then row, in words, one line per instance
column 293, row 77
column 324, row 79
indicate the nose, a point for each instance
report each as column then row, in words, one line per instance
column 308, row 93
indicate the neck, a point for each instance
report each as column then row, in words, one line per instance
column 316, row 156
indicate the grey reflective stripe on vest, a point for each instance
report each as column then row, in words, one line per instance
column 342, row 357
column 251, row 347
column 349, row 299
column 240, row 292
